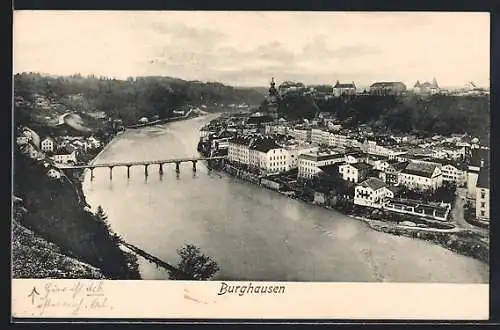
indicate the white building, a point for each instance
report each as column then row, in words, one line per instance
column 267, row 156
column 379, row 163
column 426, row 87
column 309, row 163
column 371, row 147
column 372, row 193
column 454, row 173
column 319, row 136
column 300, row 134
column 295, row 150
column 22, row 140
column 354, row 172
column 31, row 135
column 239, row 150
column 421, row 175
column 94, row 142
column 354, row 157
column 47, row 144
column 344, row 89
column 337, row 140
column 64, row 158
column 483, row 195
column 54, row 173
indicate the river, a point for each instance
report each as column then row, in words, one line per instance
column 253, row 233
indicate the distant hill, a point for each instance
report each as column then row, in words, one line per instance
column 42, row 98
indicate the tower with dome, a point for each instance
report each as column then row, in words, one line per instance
column 272, row 99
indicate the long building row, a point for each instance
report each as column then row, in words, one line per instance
column 361, row 168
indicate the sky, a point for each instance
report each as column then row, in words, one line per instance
column 248, row 48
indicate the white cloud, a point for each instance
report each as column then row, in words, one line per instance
column 317, row 47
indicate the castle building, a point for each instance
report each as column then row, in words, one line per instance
column 426, row 87
column 344, row 89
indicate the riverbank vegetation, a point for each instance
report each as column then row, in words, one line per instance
column 464, row 243
column 194, row 264
column 57, row 213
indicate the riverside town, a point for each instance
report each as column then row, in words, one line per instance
column 283, row 175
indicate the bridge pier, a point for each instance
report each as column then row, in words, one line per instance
column 110, row 172
column 177, row 167
column 194, row 165
column 146, row 170
column 128, row 171
column 91, row 173
column 160, row 169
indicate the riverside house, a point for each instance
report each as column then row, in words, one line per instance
column 421, row 175
column 372, row 193
column 355, row 172
column 310, row 163
column 267, row 156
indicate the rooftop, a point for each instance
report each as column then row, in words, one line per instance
column 388, row 84
column 319, row 156
column 264, row 145
column 361, row 166
column 424, row 169
column 483, row 180
column 479, row 155
column 373, row 183
column 339, row 85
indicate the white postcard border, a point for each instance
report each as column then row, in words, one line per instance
column 56, row 298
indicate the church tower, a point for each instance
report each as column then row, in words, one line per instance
column 272, row 99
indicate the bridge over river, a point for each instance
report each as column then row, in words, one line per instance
column 146, row 164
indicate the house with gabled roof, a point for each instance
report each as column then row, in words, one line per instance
column 421, row 175
column 372, row 192
column 453, row 171
column 355, row 172
column 340, row 89
column 391, row 172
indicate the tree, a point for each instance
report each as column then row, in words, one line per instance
column 195, row 264
column 102, row 217
column 331, row 182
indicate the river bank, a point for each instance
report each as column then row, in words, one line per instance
column 252, row 233
column 460, row 241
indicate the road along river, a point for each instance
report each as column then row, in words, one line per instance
column 253, row 233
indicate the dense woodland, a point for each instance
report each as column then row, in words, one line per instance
column 55, row 212
column 438, row 114
column 128, row 99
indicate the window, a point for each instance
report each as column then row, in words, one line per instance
column 482, row 213
column 483, row 204
column 483, row 195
